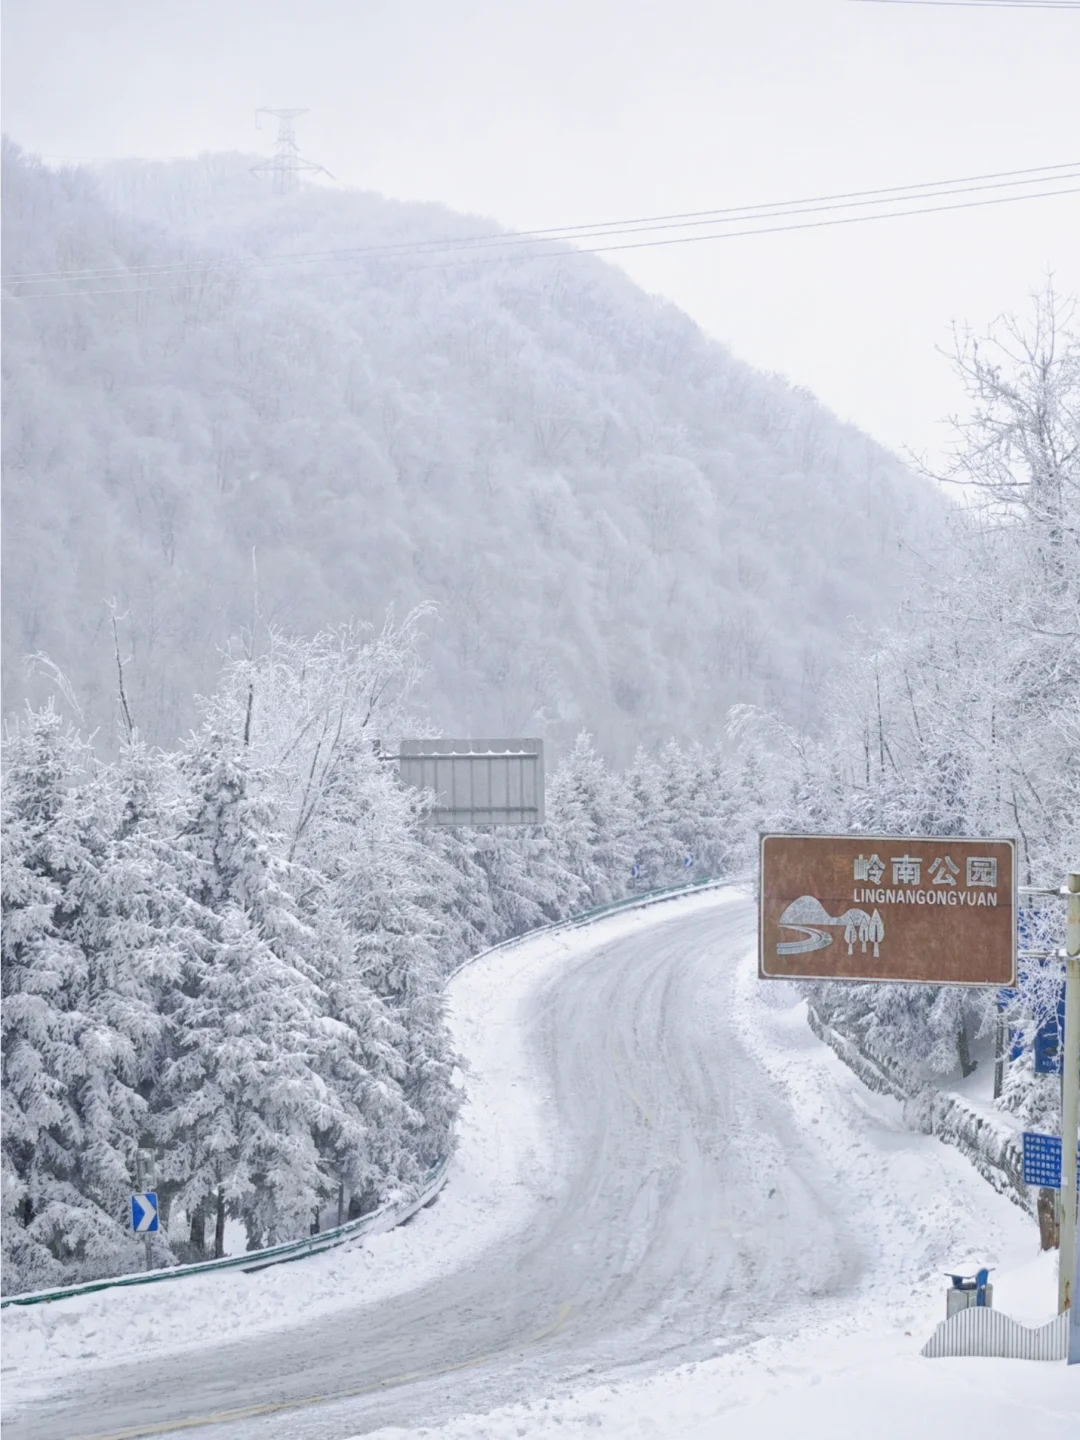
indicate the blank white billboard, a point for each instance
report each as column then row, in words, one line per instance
column 478, row 782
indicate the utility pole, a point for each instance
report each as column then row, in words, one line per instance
column 146, row 1173
column 286, row 164
column 1070, row 1098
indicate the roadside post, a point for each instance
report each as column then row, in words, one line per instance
column 145, row 1219
column 1070, row 1099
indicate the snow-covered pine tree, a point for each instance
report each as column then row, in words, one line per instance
column 374, row 896
column 82, row 1016
column 385, row 889
column 460, row 896
column 247, row 1101
column 529, row 879
column 591, row 822
column 654, row 844
column 696, row 814
column 309, row 712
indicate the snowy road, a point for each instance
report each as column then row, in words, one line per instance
column 690, row 1208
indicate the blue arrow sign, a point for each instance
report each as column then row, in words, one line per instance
column 1042, row 1160
column 144, row 1213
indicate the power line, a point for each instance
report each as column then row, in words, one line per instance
column 553, row 254
column 983, row 4
column 1001, row 179
column 494, row 248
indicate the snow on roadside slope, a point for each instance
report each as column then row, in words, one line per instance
column 505, row 1163
column 921, row 1208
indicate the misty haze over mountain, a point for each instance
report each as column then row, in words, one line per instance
column 621, row 525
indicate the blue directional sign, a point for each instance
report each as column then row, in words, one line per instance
column 144, row 1213
column 688, row 862
column 1042, row 1160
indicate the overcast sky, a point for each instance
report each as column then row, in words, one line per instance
column 549, row 112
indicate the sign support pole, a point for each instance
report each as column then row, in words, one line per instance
column 1070, row 1098
column 144, row 1169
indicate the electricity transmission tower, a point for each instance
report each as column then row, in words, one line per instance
column 286, row 163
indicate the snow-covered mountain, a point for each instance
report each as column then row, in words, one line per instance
column 621, row 525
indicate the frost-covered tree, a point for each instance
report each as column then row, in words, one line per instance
column 966, row 718
column 85, row 967
column 530, row 876
column 246, row 1097
column 654, row 844
column 312, row 714
column 591, row 822
column 381, row 890
column 462, row 896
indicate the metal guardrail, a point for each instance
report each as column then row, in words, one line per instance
column 600, row 912
column 377, row 1220
column 386, row 1217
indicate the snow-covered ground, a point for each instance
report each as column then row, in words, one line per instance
column 858, row 1375
column 826, row 1386
column 841, row 1361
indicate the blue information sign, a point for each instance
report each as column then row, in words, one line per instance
column 1042, row 1160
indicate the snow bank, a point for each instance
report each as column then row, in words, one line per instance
column 989, row 1138
column 847, row 1387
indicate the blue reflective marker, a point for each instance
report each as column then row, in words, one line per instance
column 144, row 1213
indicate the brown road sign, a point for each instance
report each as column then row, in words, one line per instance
column 931, row 910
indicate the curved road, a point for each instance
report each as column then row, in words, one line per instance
column 691, row 1209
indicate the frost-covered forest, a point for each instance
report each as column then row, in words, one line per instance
column 623, row 527
column 233, row 953
column 965, row 718
column 226, row 925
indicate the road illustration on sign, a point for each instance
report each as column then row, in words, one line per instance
column 809, row 915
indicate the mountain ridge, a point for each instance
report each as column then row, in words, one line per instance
column 623, row 527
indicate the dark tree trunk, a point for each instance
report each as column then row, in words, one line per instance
column 219, row 1225
column 1049, row 1238
column 197, row 1234
column 967, row 1065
